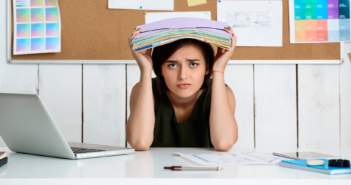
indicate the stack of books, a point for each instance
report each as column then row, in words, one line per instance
column 3, row 158
column 170, row 30
column 302, row 165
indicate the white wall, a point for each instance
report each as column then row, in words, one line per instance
column 277, row 105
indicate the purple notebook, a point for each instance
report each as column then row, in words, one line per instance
column 181, row 23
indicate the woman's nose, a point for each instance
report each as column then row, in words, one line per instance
column 183, row 72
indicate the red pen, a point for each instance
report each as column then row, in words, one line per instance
column 180, row 168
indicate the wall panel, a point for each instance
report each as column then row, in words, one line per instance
column 275, row 106
column 104, row 100
column 240, row 79
column 60, row 87
column 345, row 99
column 318, row 88
column 14, row 78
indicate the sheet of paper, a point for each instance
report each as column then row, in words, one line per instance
column 319, row 21
column 196, row 2
column 233, row 159
column 255, row 23
column 141, row 4
column 158, row 16
column 37, row 26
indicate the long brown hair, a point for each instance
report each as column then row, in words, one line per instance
column 162, row 53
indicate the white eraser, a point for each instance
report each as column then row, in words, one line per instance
column 313, row 162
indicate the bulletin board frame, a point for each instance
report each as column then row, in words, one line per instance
column 122, row 62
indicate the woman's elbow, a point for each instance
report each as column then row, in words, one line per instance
column 140, row 146
column 224, row 145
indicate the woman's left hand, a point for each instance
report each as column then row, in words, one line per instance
column 222, row 58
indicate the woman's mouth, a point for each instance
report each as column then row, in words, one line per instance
column 184, row 85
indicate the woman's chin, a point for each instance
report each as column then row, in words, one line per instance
column 184, row 93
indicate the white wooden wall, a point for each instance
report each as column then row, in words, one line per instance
column 305, row 106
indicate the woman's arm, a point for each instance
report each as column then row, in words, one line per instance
column 141, row 122
column 223, row 126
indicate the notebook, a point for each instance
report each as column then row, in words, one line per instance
column 302, row 165
column 2, row 155
column 3, row 158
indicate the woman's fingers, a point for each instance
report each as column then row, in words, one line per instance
column 233, row 39
column 148, row 52
column 134, row 33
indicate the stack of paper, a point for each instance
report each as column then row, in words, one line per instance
column 228, row 159
column 170, row 30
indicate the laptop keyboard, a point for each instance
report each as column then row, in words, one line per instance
column 84, row 150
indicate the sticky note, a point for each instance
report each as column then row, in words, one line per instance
column 196, row 2
column 52, row 29
column 52, row 43
column 50, row 3
column 23, row 30
column 37, row 14
column 37, row 30
column 52, row 14
column 34, row 3
column 22, row 45
column 37, row 44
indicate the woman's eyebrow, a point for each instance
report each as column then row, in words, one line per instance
column 171, row 61
column 192, row 60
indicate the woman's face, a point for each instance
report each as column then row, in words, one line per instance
column 184, row 71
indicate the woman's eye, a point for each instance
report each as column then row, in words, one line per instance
column 172, row 65
column 193, row 64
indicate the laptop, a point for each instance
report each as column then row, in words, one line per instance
column 26, row 126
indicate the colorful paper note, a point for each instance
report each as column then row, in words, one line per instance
column 319, row 21
column 196, row 2
column 37, row 26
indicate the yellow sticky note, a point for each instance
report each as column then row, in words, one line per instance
column 196, row 2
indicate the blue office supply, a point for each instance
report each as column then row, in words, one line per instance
column 302, row 165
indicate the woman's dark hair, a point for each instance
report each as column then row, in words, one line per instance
column 162, row 53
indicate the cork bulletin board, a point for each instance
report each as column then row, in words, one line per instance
column 91, row 31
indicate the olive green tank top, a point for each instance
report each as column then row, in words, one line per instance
column 194, row 132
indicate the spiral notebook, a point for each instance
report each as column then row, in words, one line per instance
column 302, row 165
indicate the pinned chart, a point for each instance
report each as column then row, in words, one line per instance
column 37, row 27
column 319, row 21
column 256, row 23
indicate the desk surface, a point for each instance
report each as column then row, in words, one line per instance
column 149, row 164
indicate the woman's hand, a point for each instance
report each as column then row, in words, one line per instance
column 223, row 56
column 144, row 60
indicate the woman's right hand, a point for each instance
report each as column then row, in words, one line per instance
column 144, row 60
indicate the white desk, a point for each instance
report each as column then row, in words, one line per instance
column 149, row 164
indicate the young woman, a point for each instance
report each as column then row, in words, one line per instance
column 182, row 106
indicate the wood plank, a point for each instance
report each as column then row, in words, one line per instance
column 275, row 106
column 104, row 100
column 14, row 78
column 60, row 87
column 345, row 99
column 318, row 110
column 240, row 79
